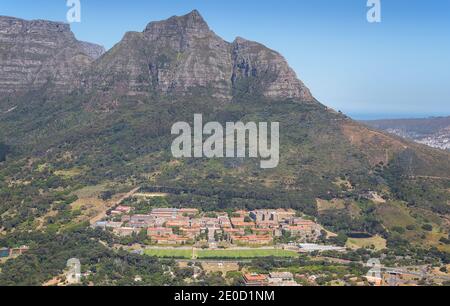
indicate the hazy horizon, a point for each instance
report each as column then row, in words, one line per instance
column 393, row 116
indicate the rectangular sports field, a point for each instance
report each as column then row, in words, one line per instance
column 170, row 253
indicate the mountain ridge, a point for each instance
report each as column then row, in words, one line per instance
column 175, row 55
column 34, row 53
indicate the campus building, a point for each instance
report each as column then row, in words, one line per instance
column 255, row 280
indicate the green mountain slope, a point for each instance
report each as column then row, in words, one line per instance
column 115, row 129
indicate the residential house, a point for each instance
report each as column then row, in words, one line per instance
column 255, row 280
column 18, row 251
column 126, row 231
column 170, row 240
column 251, row 240
column 124, row 209
column 100, row 224
column 159, row 231
column 285, row 214
column 191, row 233
column 111, row 224
column 179, row 222
column 4, row 252
column 241, row 213
column 142, row 218
column 278, row 277
column 264, row 215
column 164, row 213
column 188, row 212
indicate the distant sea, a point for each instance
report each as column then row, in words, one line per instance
column 374, row 116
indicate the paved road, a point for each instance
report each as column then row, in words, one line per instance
column 422, row 274
column 209, row 261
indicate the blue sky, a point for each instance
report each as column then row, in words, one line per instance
column 397, row 68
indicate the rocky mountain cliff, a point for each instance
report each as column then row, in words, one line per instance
column 37, row 53
column 182, row 53
column 93, row 50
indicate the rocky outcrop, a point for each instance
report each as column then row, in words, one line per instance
column 92, row 50
column 168, row 57
column 37, row 53
column 177, row 55
column 195, row 56
column 259, row 69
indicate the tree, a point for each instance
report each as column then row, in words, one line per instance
column 427, row 227
column 4, row 149
column 106, row 195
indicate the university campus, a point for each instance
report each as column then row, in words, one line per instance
column 229, row 242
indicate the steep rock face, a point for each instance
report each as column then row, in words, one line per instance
column 35, row 53
column 196, row 56
column 168, row 57
column 177, row 55
column 257, row 68
column 92, row 50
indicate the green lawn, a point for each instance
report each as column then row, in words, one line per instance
column 220, row 254
column 170, row 253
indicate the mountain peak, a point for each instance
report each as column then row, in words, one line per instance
column 192, row 22
column 240, row 40
column 195, row 14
